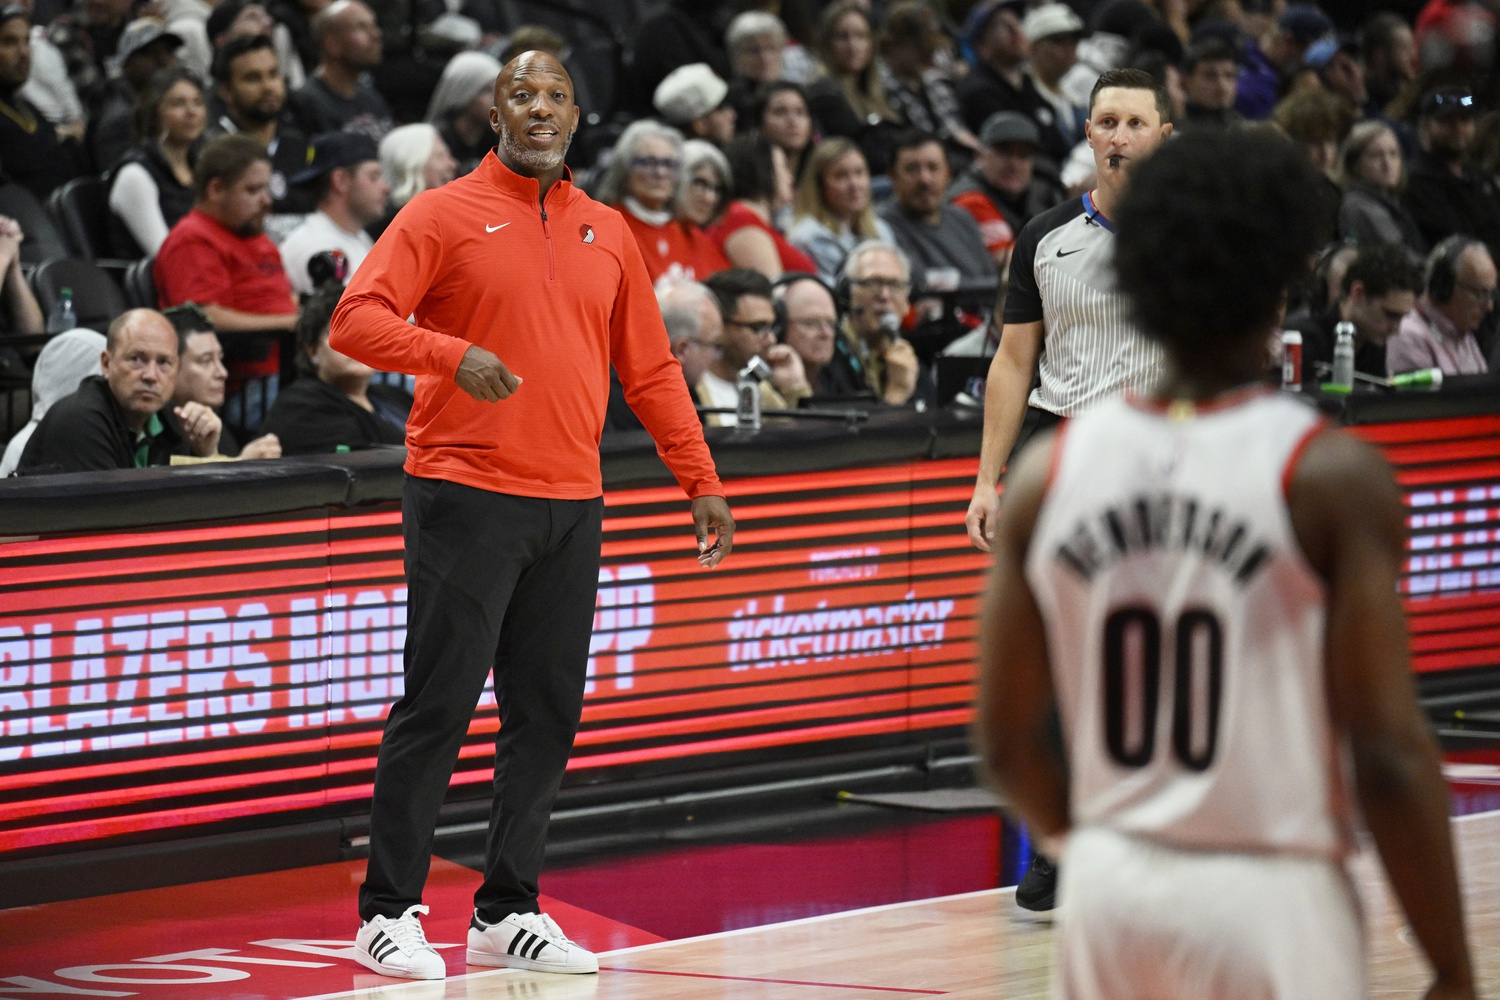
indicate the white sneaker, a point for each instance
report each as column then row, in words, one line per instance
column 527, row 941
column 398, row 947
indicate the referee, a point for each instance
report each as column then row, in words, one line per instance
column 1064, row 310
column 1062, row 296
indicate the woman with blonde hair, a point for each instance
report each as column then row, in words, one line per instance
column 1372, row 173
column 849, row 99
column 834, row 206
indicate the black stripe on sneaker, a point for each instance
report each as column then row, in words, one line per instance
column 381, row 946
column 541, row 943
column 519, row 943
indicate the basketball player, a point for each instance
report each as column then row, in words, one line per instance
column 1205, row 581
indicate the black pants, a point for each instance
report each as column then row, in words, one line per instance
column 1035, row 421
column 493, row 582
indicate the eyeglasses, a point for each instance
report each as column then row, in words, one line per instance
column 815, row 323
column 1480, row 293
column 655, row 163
column 875, row 284
column 703, row 184
column 761, row 329
column 708, row 345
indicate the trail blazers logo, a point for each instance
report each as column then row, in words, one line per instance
column 587, row 232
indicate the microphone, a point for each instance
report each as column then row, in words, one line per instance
column 890, row 325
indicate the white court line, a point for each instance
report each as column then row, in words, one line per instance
column 371, row 991
column 819, row 918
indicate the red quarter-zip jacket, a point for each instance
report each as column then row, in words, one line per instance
column 557, row 292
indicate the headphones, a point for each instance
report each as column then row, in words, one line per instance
column 1442, row 267
column 778, row 298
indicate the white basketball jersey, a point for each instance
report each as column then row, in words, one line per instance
column 1186, row 628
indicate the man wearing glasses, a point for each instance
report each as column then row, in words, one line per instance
column 1439, row 332
column 878, row 276
column 745, row 302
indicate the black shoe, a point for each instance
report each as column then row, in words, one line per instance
column 1037, row 890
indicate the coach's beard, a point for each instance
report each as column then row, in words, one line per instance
column 533, row 159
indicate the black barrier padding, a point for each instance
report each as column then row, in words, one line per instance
column 132, row 498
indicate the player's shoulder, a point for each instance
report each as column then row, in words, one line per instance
column 1338, row 460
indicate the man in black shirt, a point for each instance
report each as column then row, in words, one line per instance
column 339, row 94
column 30, row 152
column 1378, row 290
column 1000, row 80
column 122, row 419
column 251, row 92
column 1443, row 193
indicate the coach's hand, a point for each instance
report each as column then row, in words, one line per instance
column 712, row 514
column 484, row 376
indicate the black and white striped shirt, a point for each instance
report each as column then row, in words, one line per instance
column 1061, row 274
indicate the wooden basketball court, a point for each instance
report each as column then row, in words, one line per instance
column 969, row 947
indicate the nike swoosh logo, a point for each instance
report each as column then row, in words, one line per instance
column 491, row 229
column 1070, row 252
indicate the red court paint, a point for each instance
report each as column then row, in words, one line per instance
column 277, row 936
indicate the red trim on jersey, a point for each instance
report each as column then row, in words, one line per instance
column 1296, row 456
column 1223, row 401
column 1055, row 459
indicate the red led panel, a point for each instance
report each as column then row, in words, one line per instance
column 1449, row 472
column 165, row 678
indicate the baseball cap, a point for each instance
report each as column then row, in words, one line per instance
column 332, row 150
column 1211, row 48
column 1009, row 126
column 142, row 32
column 1051, row 19
column 1447, row 102
column 223, row 15
column 1305, row 23
column 978, row 21
column 11, row 11
column 1321, row 52
column 688, row 93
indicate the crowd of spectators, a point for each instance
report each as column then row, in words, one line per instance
column 853, row 173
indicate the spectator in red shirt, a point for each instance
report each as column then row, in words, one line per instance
column 218, row 255
column 762, row 194
column 643, row 180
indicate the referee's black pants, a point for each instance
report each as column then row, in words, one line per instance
column 498, row 582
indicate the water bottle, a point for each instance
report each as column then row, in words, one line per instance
column 747, row 394
column 1430, row 379
column 1343, row 359
column 63, row 317
column 1291, row 360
